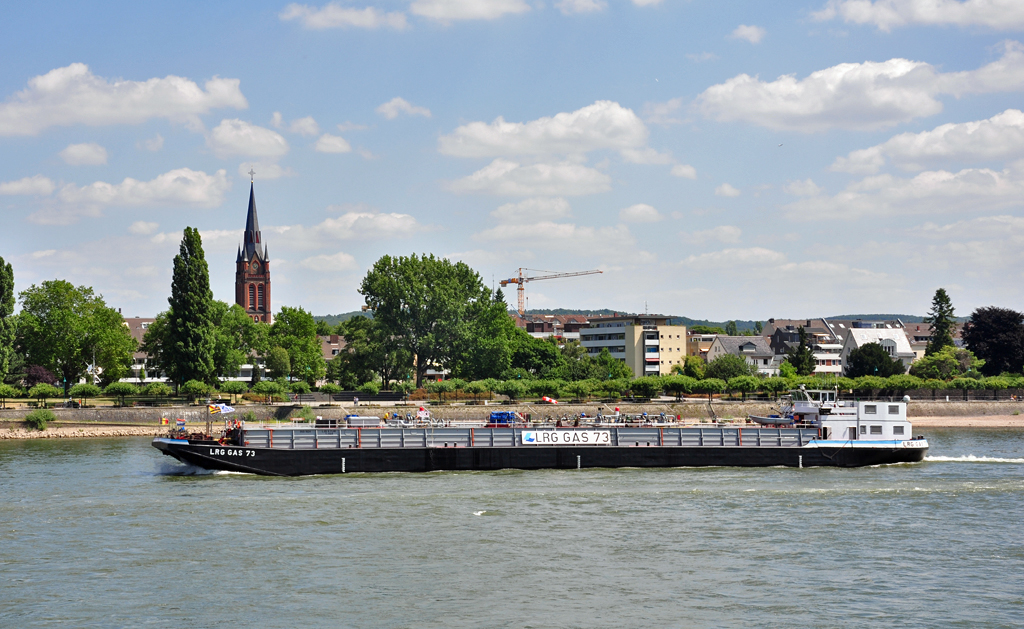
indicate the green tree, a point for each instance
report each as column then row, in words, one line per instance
column 7, row 391
column 943, row 320
column 238, row 340
column 485, row 342
column 801, row 356
column 120, row 390
column 8, row 321
column 579, row 390
column 187, row 351
column 647, row 386
column 85, row 391
column 871, row 359
column 871, row 384
column 605, row 366
column 787, row 370
column 775, row 386
column 758, row 328
column 706, row 329
column 157, row 389
column 727, row 366
column 731, row 329
column 300, row 386
column 369, row 389
column 536, row 356
column 901, row 383
column 427, row 305
column 330, row 388
column 42, row 392
column 195, row 389
column 710, row 386
column 966, row 385
column 996, row 335
column 268, row 388
column 744, row 384
column 279, row 363
column 513, row 389
column 370, row 353
column 294, row 329
column 233, row 388
column 679, row 385
column 947, row 363
column 63, row 327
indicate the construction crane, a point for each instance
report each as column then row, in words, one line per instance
column 521, row 279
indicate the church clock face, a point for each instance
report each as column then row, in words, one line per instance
column 255, row 267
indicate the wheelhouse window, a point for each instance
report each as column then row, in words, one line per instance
column 897, row 430
column 870, row 409
column 894, row 409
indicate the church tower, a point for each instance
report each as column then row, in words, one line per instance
column 252, row 269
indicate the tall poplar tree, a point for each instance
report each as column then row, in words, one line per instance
column 8, row 322
column 190, row 336
column 942, row 319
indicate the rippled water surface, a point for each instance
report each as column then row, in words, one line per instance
column 110, row 533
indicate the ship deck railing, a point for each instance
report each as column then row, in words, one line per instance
column 310, row 437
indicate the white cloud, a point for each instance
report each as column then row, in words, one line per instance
column 237, row 137
column 663, row 113
column 396, row 106
column 990, row 245
column 930, row 192
column 91, row 154
column 505, row 177
column 36, row 185
column 805, row 188
column 533, row 210
column 752, row 34
column 869, row 95
column 328, row 143
column 303, row 126
column 181, row 186
column 646, row 3
column 646, row 155
column 333, row 15
column 568, row 7
column 753, row 257
column 700, row 57
column 44, row 253
column 640, row 213
column 603, row 125
column 73, row 95
column 722, row 233
column 726, row 190
column 999, row 137
column 887, row 14
column 685, row 171
column 153, row 144
column 450, row 10
column 264, row 170
column 566, row 236
column 348, row 226
column 142, row 228
column 340, row 261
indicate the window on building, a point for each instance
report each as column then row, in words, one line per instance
column 252, row 296
column 897, row 430
column 876, row 430
column 863, row 430
column 894, row 409
column 259, row 297
column 870, row 409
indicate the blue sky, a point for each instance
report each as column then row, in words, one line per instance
column 742, row 160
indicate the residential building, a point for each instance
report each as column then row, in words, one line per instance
column 893, row 341
column 699, row 344
column 331, row 345
column 649, row 344
column 137, row 327
column 755, row 350
column 920, row 334
column 784, row 334
column 828, row 359
column 564, row 327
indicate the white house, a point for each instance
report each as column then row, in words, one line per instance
column 753, row 349
column 893, row 341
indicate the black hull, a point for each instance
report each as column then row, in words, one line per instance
column 289, row 462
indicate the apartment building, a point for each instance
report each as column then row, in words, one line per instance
column 649, row 344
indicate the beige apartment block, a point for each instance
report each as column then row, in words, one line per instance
column 647, row 343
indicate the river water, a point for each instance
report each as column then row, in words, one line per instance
column 110, row 533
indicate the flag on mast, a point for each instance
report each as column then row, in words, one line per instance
column 220, row 408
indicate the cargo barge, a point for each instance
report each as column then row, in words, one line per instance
column 822, row 432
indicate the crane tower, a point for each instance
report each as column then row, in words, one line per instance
column 522, row 278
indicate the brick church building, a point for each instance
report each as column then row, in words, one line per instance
column 252, row 269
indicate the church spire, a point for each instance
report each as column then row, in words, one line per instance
column 253, row 238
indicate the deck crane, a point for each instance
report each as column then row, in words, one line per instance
column 521, row 279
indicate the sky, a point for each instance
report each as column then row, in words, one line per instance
column 740, row 160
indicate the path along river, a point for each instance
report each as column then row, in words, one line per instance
column 109, row 533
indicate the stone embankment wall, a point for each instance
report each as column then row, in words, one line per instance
column 690, row 410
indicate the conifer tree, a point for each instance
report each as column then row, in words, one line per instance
column 942, row 319
column 7, row 320
column 190, row 336
column 801, row 356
